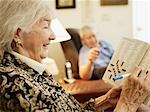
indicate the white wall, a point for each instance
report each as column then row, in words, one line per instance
column 111, row 22
column 141, row 23
column 56, row 53
column 68, row 17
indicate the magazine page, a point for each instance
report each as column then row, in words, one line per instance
column 145, row 62
column 145, row 65
column 129, row 54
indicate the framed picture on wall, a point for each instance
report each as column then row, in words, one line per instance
column 113, row 2
column 64, row 4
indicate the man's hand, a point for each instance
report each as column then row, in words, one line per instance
column 93, row 54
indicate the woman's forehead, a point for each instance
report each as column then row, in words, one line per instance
column 42, row 20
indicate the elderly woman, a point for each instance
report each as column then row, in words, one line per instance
column 24, row 83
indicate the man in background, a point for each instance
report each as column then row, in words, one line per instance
column 94, row 56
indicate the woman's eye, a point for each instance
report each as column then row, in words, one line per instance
column 46, row 27
column 93, row 35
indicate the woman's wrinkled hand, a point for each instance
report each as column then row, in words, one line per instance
column 135, row 90
column 109, row 100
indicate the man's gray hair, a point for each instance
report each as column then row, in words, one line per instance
column 22, row 14
column 84, row 30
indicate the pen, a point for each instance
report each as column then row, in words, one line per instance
column 119, row 77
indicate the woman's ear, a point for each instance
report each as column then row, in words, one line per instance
column 17, row 37
column 16, row 42
column 18, row 32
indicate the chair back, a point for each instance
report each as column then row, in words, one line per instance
column 71, row 50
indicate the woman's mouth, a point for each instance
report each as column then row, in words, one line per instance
column 46, row 45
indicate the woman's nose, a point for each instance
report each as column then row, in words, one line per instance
column 52, row 37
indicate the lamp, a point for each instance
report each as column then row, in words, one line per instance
column 59, row 31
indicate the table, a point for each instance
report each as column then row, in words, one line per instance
column 83, row 90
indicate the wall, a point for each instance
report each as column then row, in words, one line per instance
column 69, row 17
column 141, row 21
column 111, row 22
column 56, row 53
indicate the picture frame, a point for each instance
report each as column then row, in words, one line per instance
column 113, row 2
column 65, row 4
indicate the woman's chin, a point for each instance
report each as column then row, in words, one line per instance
column 44, row 55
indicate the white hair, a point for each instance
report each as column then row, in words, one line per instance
column 22, row 14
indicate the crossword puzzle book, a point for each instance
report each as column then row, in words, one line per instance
column 130, row 53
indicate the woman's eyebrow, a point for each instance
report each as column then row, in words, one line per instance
column 45, row 19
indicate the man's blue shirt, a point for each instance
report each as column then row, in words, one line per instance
column 106, row 52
